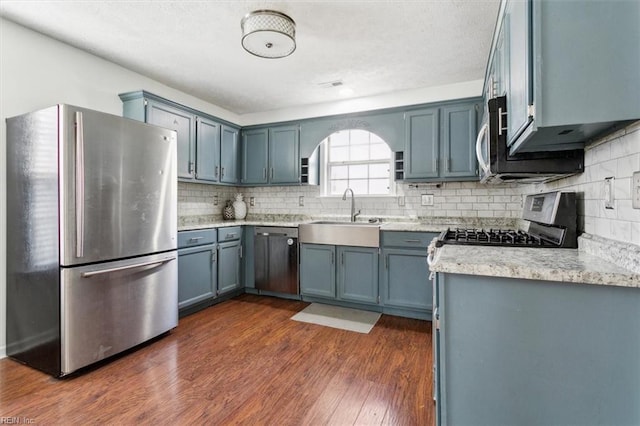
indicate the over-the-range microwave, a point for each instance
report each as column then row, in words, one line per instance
column 497, row 165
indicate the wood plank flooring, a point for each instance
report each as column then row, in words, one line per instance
column 243, row 362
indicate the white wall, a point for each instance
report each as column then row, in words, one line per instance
column 37, row 72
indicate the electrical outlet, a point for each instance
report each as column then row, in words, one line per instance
column 635, row 190
column 608, row 193
column 301, row 201
column 401, row 200
column 427, row 200
column 215, row 200
column 252, row 201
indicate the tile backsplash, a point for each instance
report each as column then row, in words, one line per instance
column 451, row 199
column 616, row 156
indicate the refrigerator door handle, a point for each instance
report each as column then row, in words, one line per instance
column 153, row 264
column 79, row 185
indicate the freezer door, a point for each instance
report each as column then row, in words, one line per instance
column 118, row 187
column 110, row 307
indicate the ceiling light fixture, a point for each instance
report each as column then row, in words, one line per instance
column 268, row 34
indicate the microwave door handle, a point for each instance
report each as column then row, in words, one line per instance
column 481, row 160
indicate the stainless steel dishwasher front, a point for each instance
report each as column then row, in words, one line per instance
column 276, row 259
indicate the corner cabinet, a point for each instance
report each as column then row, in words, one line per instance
column 440, row 142
column 271, row 155
column 343, row 273
column 564, row 83
column 207, row 147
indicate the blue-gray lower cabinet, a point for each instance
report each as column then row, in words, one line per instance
column 404, row 273
column 318, row 270
column 229, row 259
column 405, row 279
column 197, row 267
column 528, row 352
column 197, row 275
column 358, row 274
column 343, row 273
column 229, row 262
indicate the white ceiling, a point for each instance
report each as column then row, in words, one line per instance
column 374, row 47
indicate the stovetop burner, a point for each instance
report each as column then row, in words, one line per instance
column 552, row 222
column 491, row 237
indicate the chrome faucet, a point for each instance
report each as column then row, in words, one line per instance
column 353, row 203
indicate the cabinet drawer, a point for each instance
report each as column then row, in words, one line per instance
column 407, row 239
column 229, row 234
column 196, row 238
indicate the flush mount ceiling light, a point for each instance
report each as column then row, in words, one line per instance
column 268, row 34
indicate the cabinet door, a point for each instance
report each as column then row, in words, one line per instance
column 422, row 134
column 228, row 266
column 207, row 150
column 229, row 155
column 182, row 122
column 358, row 274
column 405, row 279
column 284, row 158
column 317, row 270
column 254, row 156
column 458, row 140
column 197, row 268
column 519, row 93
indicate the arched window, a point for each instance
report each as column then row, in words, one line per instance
column 356, row 159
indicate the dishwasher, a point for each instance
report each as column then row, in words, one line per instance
column 276, row 259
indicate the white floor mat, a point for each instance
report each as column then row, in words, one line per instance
column 338, row 317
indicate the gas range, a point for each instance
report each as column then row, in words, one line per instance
column 552, row 220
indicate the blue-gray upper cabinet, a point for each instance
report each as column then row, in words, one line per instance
column 255, row 156
column 207, row 150
column 284, row 154
column 458, row 140
column 422, row 144
column 183, row 123
column 271, row 155
column 565, row 84
column 229, row 154
column 439, row 142
column 207, row 147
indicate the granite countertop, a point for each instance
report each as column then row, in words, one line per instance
column 548, row 264
column 598, row 261
column 421, row 224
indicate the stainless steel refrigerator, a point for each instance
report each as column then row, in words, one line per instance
column 91, row 236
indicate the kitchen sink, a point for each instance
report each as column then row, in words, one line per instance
column 360, row 234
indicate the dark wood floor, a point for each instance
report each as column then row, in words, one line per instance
column 243, row 362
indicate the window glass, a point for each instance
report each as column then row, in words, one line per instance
column 359, row 160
